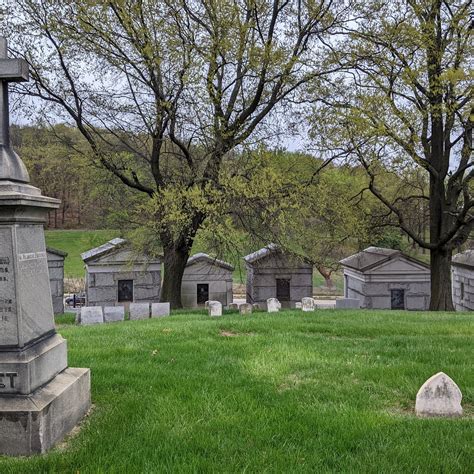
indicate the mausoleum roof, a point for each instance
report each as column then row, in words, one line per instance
column 60, row 253
column 464, row 259
column 204, row 257
column 374, row 256
column 103, row 249
column 262, row 253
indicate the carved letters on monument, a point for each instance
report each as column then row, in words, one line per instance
column 8, row 324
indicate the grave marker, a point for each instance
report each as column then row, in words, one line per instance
column 139, row 311
column 41, row 399
column 307, row 304
column 113, row 314
column 273, row 305
column 159, row 310
column 91, row 315
column 245, row 308
column 215, row 308
column 439, row 396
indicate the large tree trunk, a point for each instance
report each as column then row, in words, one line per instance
column 327, row 275
column 175, row 259
column 441, row 297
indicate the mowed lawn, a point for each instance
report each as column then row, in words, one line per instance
column 330, row 391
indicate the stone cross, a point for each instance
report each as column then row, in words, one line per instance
column 11, row 70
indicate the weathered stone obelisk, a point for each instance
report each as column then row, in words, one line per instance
column 41, row 399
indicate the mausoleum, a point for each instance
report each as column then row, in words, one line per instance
column 387, row 279
column 56, row 277
column 115, row 275
column 272, row 273
column 206, row 278
column 462, row 271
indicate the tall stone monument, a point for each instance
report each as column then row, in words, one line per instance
column 41, row 399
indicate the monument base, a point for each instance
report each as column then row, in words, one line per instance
column 34, row 423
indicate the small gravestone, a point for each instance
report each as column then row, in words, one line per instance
column 91, row 315
column 439, row 396
column 215, row 308
column 233, row 306
column 325, row 306
column 113, row 314
column 273, row 305
column 298, row 305
column 256, row 307
column 139, row 311
column 245, row 308
column 307, row 304
column 158, row 310
column 348, row 303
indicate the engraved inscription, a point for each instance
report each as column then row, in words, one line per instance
column 6, row 303
column 32, row 280
column 7, row 379
column 31, row 256
column 31, row 267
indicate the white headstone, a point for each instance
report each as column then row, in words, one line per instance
column 114, row 313
column 273, row 305
column 245, row 308
column 307, row 304
column 139, row 311
column 158, row 310
column 91, row 315
column 439, row 396
column 215, row 308
column 298, row 305
column 348, row 303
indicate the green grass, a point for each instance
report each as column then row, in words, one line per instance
column 331, row 391
column 75, row 242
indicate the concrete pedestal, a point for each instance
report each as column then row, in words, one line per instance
column 34, row 423
column 41, row 399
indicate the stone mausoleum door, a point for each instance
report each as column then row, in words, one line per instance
column 283, row 289
column 125, row 291
column 202, row 293
column 397, row 299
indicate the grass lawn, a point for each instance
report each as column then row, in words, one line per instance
column 75, row 242
column 331, row 391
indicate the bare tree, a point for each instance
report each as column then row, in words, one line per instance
column 164, row 90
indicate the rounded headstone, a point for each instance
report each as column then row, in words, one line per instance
column 439, row 396
column 273, row 305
